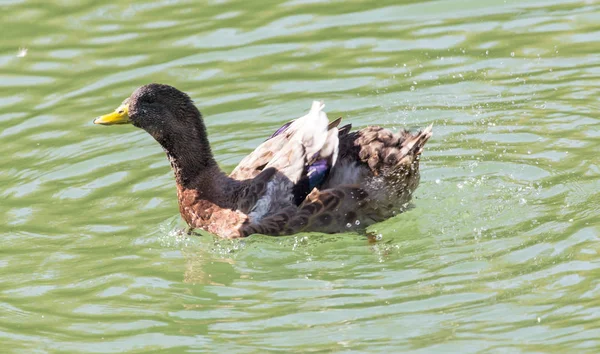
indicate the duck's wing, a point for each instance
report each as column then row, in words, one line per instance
column 310, row 150
column 307, row 150
column 256, row 161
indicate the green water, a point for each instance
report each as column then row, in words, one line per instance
column 500, row 253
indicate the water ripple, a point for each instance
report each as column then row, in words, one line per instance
column 499, row 252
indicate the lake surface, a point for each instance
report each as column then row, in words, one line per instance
column 500, row 253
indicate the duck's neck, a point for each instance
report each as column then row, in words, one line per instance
column 193, row 171
column 192, row 160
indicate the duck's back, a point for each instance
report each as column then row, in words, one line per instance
column 328, row 178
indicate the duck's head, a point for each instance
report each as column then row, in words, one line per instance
column 161, row 110
column 170, row 116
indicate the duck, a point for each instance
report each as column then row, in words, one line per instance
column 310, row 175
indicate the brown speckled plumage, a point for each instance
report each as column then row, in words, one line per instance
column 359, row 177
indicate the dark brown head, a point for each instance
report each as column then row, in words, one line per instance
column 158, row 109
column 170, row 116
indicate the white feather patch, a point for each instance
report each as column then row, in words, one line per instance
column 311, row 131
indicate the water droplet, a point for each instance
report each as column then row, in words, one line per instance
column 487, row 52
column 357, row 222
column 414, row 82
column 348, row 225
column 412, row 88
column 438, row 181
column 22, row 52
column 512, row 54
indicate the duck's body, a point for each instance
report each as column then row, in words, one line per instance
column 309, row 175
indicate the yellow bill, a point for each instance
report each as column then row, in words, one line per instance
column 119, row 116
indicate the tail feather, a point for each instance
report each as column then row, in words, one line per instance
column 384, row 151
column 414, row 144
column 334, row 123
column 344, row 130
